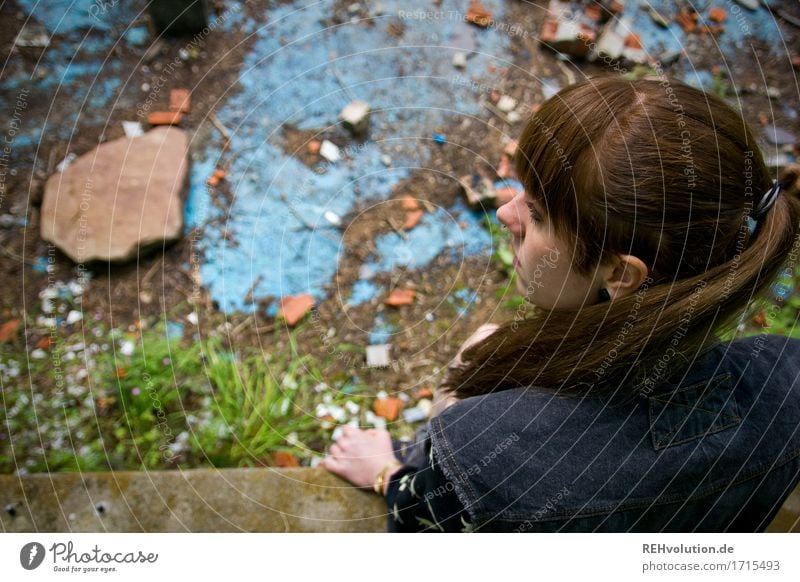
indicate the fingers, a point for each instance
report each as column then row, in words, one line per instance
column 336, row 449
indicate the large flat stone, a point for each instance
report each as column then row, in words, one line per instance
column 200, row 500
column 119, row 199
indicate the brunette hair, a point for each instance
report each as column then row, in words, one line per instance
column 656, row 169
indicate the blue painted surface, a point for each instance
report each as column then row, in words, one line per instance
column 381, row 331
column 462, row 300
column 291, row 77
column 457, row 230
column 741, row 27
column 363, row 291
column 138, row 36
column 66, row 16
column 78, row 74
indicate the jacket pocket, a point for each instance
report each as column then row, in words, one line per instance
column 694, row 411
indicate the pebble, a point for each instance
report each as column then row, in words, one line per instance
column 378, row 355
column 74, row 317
column 415, row 414
column 460, row 60
column 506, row 103
column 330, row 151
column 132, row 128
column 333, row 218
column 126, row 347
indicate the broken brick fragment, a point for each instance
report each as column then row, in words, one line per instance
column 164, row 118
column 423, row 393
column 294, row 308
column 400, row 297
column 180, row 100
column 8, row 330
column 717, row 14
column 412, row 218
column 687, row 20
column 313, row 146
column 633, row 41
column 284, row 459
column 478, row 14
column 216, row 177
column 410, row 203
column 388, row 408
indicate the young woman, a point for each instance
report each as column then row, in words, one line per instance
column 648, row 223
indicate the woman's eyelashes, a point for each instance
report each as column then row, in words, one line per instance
column 535, row 216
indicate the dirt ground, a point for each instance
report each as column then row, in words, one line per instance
column 159, row 286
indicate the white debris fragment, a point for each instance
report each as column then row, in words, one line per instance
column 377, row 421
column 330, row 151
column 386, row 160
column 66, row 162
column 506, row 103
column 333, row 218
column 192, row 318
column 460, row 60
column 132, row 128
column 74, row 317
column 378, row 356
column 355, row 116
column 426, row 405
column 415, row 414
column 126, row 347
column 38, row 354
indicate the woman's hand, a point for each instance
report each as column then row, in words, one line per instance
column 359, row 455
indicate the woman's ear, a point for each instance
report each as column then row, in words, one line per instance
column 625, row 275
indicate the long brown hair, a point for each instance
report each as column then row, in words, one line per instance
column 656, row 169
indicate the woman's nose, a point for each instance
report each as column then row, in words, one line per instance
column 511, row 216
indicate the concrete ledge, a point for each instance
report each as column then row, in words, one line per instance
column 203, row 500
column 229, row 500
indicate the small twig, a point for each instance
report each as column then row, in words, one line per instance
column 418, row 363
column 428, row 205
column 495, row 110
column 788, row 18
column 302, row 219
column 399, row 231
column 151, row 271
column 218, row 124
column 296, row 213
column 248, row 297
column 8, row 253
column 51, row 161
column 243, row 325
column 339, row 79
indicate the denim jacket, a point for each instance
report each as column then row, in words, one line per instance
column 718, row 449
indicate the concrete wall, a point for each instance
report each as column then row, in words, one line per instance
column 229, row 500
column 201, row 500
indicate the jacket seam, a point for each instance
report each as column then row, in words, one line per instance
column 450, row 468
